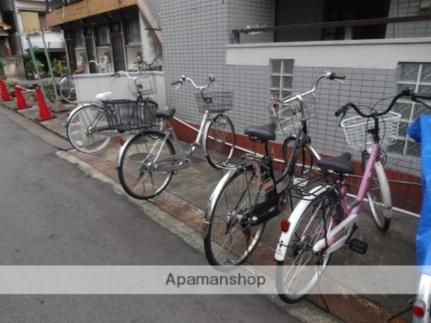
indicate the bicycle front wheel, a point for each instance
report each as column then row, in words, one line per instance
column 301, row 268
column 379, row 198
column 229, row 237
column 137, row 169
column 88, row 129
column 219, row 141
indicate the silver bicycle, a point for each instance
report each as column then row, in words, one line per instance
column 148, row 160
column 90, row 127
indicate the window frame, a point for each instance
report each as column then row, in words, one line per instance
column 281, row 74
column 415, row 85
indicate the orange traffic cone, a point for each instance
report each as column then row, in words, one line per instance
column 20, row 100
column 44, row 113
column 4, row 92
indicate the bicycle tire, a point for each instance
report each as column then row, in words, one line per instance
column 81, row 129
column 219, row 141
column 379, row 198
column 244, row 198
column 131, row 168
column 324, row 208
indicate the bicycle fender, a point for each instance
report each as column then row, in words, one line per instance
column 281, row 249
column 384, row 189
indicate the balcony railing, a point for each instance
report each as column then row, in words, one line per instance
column 330, row 24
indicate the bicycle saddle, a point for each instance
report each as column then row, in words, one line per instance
column 105, row 96
column 166, row 113
column 264, row 132
column 340, row 164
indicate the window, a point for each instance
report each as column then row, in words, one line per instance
column 418, row 77
column 317, row 12
column 281, row 77
column 78, row 39
column 30, row 21
column 103, row 37
column 133, row 34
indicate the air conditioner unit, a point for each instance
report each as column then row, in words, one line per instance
column 425, row 4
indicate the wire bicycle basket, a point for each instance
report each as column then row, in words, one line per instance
column 356, row 129
column 145, row 85
column 123, row 115
column 290, row 117
column 215, row 101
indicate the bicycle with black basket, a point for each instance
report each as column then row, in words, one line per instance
column 90, row 127
column 148, row 160
column 249, row 195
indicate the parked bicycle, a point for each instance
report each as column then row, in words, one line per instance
column 90, row 127
column 148, row 160
column 325, row 221
column 247, row 196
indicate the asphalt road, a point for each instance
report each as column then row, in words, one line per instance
column 53, row 214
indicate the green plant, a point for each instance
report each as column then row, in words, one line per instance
column 29, row 66
column 1, row 68
column 59, row 68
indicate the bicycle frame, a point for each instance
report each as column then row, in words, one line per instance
column 337, row 236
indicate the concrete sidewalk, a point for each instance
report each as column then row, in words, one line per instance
column 186, row 198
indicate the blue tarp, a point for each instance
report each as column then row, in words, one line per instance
column 420, row 131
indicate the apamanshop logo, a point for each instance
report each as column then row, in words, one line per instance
column 215, row 280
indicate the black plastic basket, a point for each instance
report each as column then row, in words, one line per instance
column 126, row 115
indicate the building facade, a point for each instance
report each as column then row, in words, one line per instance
column 380, row 46
column 108, row 36
column 27, row 18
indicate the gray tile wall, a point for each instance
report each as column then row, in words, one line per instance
column 195, row 33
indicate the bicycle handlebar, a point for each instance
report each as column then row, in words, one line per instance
column 406, row 92
column 184, row 78
column 120, row 73
column 328, row 75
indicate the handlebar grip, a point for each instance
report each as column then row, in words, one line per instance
column 343, row 109
column 340, row 77
column 334, row 76
column 176, row 82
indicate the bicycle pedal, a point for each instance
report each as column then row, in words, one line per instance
column 358, row 246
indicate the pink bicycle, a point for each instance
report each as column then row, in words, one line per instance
column 324, row 221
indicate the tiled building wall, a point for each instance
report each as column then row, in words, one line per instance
column 194, row 39
column 401, row 8
column 195, row 33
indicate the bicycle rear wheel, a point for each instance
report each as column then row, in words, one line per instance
column 67, row 89
column 229, row 239
column 301, row 268
column 136, row 170
column 88, row 129
column 219, row 141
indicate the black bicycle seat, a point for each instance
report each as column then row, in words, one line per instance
column 339, row 164
column 264, row 132
column 166, row 114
